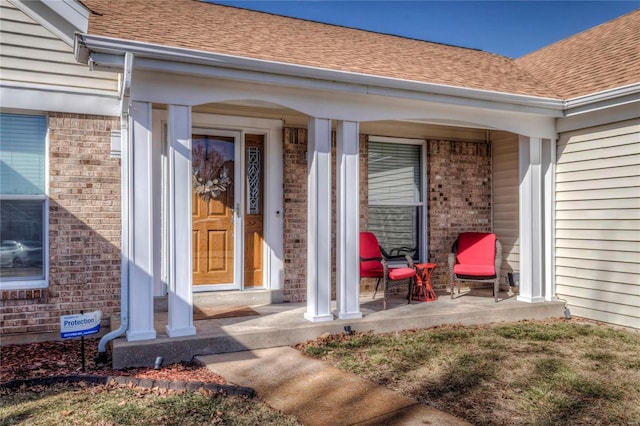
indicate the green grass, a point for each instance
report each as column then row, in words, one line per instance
column 538, row 373
column 120, row 405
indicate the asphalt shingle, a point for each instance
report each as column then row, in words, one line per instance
column 601, row 58
column 209, row 27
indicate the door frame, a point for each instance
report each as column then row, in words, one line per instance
column 273, row 238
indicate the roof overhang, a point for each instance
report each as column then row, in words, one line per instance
column 106, row 53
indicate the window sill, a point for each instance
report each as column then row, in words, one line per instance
column 23, row 285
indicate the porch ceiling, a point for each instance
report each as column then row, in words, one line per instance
column 418, row 129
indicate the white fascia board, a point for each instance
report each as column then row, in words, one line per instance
column 98, row 50
column 602, row 100
column 62, row 17
column 628, row 111
column 73, row 11
column 42, row 97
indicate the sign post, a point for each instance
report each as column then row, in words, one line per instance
column 80, row 325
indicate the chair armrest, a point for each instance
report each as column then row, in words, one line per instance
column 385, row 267
column 389, row 256
column 409, row 261
column 498, row 264
column 452, row 260
column 367, row 259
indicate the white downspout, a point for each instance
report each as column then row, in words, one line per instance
column 125, row 172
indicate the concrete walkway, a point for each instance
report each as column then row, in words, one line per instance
column 317, row 393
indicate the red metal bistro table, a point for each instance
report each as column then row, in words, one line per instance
column 423, row 292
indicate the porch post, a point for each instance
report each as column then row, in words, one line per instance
column 549, row 194
column 348, row 218
column 319, row 221
column 140, row 225
column 535, row 212
column 180, row 296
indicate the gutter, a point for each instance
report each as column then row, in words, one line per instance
column 605, row 99
column 125, row 242
column 106, row 52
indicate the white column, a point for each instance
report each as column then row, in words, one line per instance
column 348, row 221
column 549, row 195
column 140, row 224
column 319, row 221
column 534, row 208
column 180, row 295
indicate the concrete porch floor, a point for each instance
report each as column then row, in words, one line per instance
column 283, row 324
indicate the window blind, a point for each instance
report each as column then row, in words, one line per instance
column 395, row 196
column 22, row 154
column 395, row 175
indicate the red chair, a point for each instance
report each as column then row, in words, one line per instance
column 374, row 265
column 476, row 256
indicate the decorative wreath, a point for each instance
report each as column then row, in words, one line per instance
column 208, row 187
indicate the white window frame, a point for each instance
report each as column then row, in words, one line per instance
column 34, row 284
column 423, row 231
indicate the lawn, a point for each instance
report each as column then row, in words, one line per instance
column 122, row 405
column 534, row 373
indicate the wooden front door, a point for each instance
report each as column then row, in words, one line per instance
column 213, row 210
column 254, row 214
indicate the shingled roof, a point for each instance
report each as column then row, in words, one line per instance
column 601, row 58
column 221, row 29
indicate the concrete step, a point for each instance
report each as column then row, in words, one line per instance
column 226, row 298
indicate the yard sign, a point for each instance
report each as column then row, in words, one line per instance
column 80, row 324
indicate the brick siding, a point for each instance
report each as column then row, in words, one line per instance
column 459, row 199
column 84, row 218
column 295, row 214
column 84, row 230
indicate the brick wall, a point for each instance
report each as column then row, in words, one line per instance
column 459, row 195
column 84, row 230
column 295, row 214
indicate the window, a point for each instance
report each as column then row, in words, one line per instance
column 396, row 207
column 22, row 201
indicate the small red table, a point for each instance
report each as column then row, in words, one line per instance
column 423, row 292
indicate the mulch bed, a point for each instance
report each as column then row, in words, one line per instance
column 46, row 363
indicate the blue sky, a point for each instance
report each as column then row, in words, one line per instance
column 510, row 28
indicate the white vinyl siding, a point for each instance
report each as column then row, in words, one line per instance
column 506, row 201
column 29, row 53
column 598, row 222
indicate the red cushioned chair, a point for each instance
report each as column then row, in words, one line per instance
column 476, row 256
column 374, row 265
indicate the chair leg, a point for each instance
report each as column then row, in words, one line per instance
column 410, row 291
column 453, row 280
column 376, row 290
column 496, row 288
column 384, row 289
